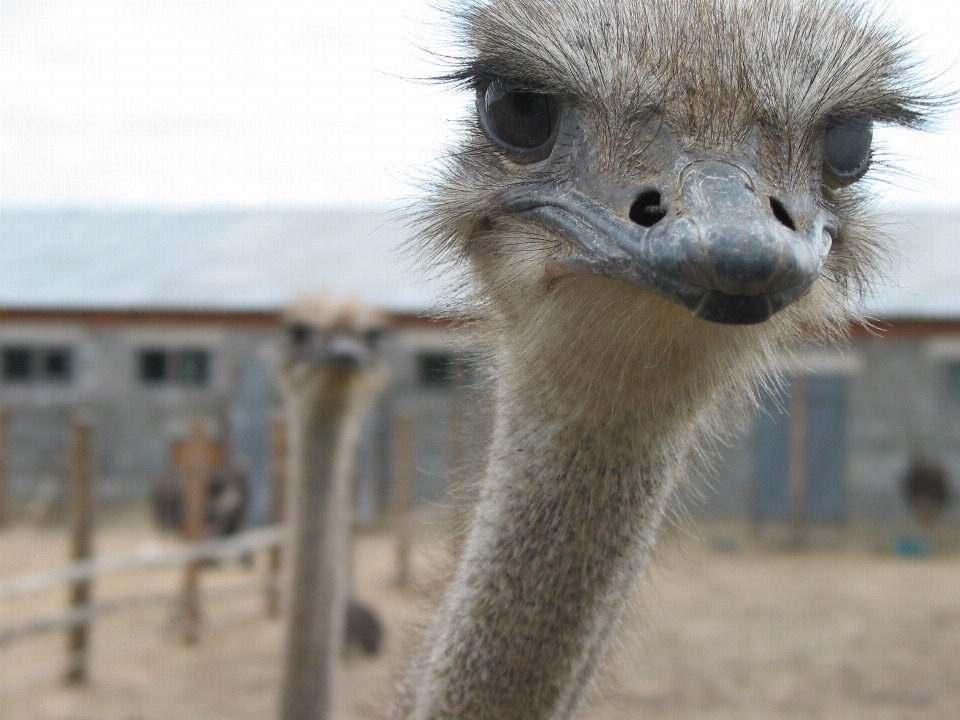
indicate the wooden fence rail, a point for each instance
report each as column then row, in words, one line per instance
column 86, row 614
column 147, row 558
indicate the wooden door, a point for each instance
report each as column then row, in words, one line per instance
column 825, row 443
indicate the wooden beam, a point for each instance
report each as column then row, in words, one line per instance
column 194, row 521
column 266, row 318
column 402, row 506
column 278, row 482
column 82, row 474
column 6, row 449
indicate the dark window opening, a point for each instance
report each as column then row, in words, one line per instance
column 193, row 367
column 30, row 364
column 953, row 379
column 57, row 364
column 153, row 366
column 17, row 364
column 189, row 368
column 447, row 370
column 436, row 369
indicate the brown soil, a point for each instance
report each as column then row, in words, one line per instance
column 720, row 635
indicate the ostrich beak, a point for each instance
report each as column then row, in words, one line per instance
column 711, row 242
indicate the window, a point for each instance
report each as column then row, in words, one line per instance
column 953, row 379
column 192, row 367
column 26, row 364
column 435, row 369
column 17, row 365
column 153, row 366
column 189, row 367
column 57, row 364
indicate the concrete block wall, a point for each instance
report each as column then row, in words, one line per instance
column 900, row 400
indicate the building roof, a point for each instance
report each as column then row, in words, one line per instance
column 259, row 260
column 203, row 260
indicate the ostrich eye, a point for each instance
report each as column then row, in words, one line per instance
column 846, row 150
column 521, row 121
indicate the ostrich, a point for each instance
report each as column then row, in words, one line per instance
column 653, row 199
column 329, row 376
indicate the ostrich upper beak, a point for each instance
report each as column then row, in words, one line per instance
column 712, row 242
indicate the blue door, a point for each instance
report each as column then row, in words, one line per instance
column 825, row 455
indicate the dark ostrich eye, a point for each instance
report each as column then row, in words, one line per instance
column 521, row 121
column 846, row 151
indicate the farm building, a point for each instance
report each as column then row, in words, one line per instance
column 150, row 318
column 872, row 408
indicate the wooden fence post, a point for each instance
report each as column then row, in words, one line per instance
column 278, row 477
column 797, row 462
column 6, row 448
column 194, row 521
column 402, row 469
column 82, row 472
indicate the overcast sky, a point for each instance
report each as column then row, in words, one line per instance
column 195, row 102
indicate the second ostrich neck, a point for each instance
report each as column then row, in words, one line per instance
column 568, row 508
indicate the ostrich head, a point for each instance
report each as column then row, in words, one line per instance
column 686, row 173
column 651, row 198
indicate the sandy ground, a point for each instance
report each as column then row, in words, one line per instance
column 714, row 635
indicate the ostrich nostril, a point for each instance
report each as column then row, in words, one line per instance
column 781, row 214
column 647, row 210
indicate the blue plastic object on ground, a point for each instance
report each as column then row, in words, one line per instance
column 911, row 546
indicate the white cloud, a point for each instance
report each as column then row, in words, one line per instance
column 196, row 102
column 203, row 102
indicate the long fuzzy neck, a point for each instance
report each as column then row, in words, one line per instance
column 569, row 505
column 606, row 391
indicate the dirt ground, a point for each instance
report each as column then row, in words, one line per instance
column 719, row 631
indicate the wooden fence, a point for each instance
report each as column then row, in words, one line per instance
column 146, row 559
column 78, row 617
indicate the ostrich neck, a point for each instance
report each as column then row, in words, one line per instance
column 324, row 411
column 567, row 512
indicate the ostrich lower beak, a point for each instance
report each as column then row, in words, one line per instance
column 722, row 250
